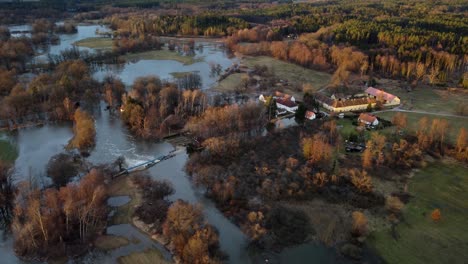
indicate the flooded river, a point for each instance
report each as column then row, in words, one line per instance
column 37, row 145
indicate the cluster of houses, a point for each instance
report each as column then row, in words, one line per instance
column 286, row 103
column 339, row 103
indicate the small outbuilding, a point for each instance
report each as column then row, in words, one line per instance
column 310, row 115
column 368, row 119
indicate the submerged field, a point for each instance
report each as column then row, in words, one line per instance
column 95, row 43
column 162, row 55
column 442, row 185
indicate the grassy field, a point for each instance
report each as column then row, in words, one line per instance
column 455, row 123
column 149, row 256
column 440, row 185
column 230, row 83
column 432, row 100
column 110, row 242
column 8, row 151
column 162, row 55
column 95, row 43
column 289, row 71
column 124, row 186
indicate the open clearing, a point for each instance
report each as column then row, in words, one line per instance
column 95, row 43
column 290, row 72
column 455, row 123
column 424, row 97
column 162, row 55
column 432, row 100
column 8, row 151
column 230, row 83
column 442, row 185
column 149, row 256
column 110, row 242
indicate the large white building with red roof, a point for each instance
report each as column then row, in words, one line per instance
column 380, row 95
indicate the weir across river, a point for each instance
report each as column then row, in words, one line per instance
column 145, row 165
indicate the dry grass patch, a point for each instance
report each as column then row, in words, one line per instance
column 149, row 256
column 95, row 43
column 330, row 223
column 162, row 55
column 291, row 72
column 110, row 242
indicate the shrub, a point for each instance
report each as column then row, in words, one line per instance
column 359, row 227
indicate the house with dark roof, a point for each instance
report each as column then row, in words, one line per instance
column 286, row 104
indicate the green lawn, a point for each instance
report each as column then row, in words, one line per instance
column 455, row 123
column 95, row 43
column 440, row 185
column 291, row 72
column 161, row 55
column 8, row 151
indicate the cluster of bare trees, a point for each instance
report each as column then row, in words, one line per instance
column 126, row 44
column 54, row 92
column 190, row 238
column 14, row 53
column 247, row 119
column 153, row 108
column 53, row 223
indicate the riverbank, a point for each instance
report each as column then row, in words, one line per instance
column 124, row 186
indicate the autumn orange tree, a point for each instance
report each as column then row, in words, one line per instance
column 47, row 220
column 84, row 131
column 361, row 180
column 400, row 121
column 436, row 215
column 316, row 149
column 193, row 240
column 462, row 145
column 359, row 227
column 374, row 153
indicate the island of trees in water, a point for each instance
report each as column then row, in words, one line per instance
column 250, row 169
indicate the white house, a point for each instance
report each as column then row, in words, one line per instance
column 389, row 99
column 368, row 119
column 286, row 104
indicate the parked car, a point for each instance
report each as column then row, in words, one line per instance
column 354, row 147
